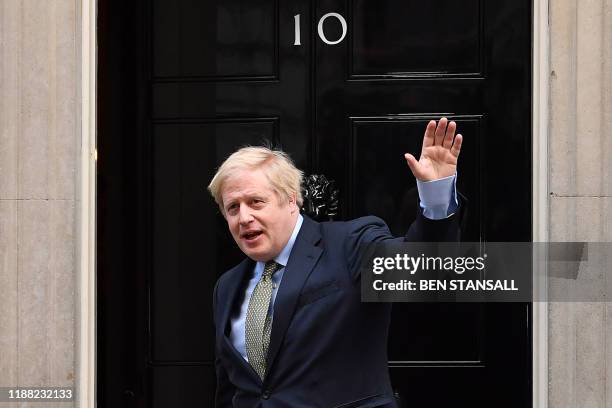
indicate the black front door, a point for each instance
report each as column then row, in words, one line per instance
column 346, row 87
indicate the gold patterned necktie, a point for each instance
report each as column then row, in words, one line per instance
column 258, row 324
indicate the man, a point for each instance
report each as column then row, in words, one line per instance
column 291, row 330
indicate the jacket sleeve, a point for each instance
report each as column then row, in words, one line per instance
column 361, row 232
column 445, row 230
column 365, row 230
column 225, row 389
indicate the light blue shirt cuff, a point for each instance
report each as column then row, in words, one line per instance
column 438, row 197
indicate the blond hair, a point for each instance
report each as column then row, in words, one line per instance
column 277, row 166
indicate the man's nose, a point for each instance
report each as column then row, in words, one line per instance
column 244, row 217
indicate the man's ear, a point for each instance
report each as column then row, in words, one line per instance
column 293, row 202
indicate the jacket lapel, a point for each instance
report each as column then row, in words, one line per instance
column 235, row 282
column 234, row 293
column 302, row 260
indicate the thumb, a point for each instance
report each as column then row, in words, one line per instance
column 412, row 163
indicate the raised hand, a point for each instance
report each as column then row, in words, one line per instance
column 439, row 153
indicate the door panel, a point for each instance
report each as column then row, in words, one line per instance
column 395, row 38
column 379, row 179
column 182, row 221
column 215, row 40
column 181, row 386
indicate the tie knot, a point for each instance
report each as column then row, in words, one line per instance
column 270, row 268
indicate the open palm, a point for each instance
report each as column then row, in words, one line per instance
column 439, row 153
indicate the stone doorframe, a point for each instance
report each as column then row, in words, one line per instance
column 540, row 193
column 86, row 204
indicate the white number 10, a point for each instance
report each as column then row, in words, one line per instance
column 320, row 29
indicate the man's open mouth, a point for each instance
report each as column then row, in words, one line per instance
column 251, row 235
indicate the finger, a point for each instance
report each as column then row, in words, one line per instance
column 412, row 163
column 428, row 139
column 440, row 130
column 450, row 134
column 457, row 145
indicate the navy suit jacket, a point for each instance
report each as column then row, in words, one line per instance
column 327, row 349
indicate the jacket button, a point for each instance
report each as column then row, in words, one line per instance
column 266, row 394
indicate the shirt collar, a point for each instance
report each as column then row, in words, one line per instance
column 283, row 257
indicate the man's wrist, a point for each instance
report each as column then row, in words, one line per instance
column 438, row 198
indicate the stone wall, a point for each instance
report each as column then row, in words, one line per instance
column 39, row 139
column 580, row 145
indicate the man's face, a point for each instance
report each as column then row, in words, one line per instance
column 259, row 221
